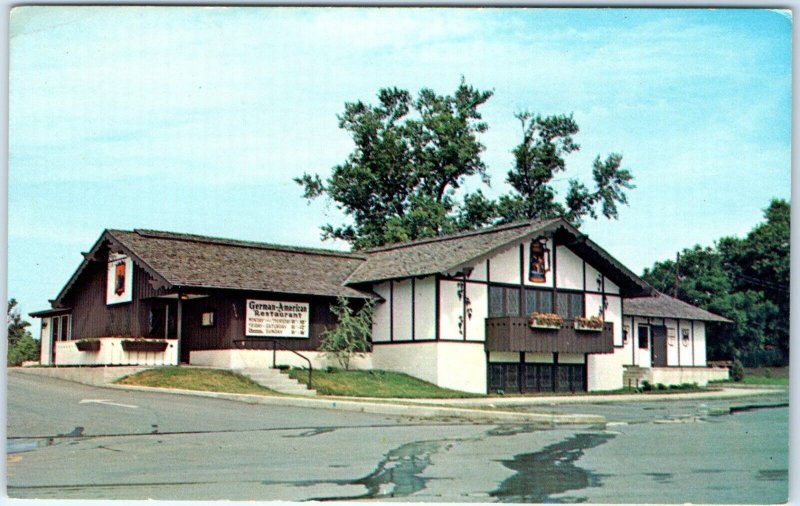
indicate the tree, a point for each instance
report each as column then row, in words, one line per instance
column 21, row 345
column 546, row 141
column 410, row 157
column 351, row 335
column 745, row 280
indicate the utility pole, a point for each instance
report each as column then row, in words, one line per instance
column 677, row 263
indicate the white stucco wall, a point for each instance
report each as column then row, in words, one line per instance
column 401, row 310
column 610, row 286
column 425, row 308
column 451, row 309
column 45, row 338
column 240, row 359
column 415, row 359
column 111, row 353
column 569, row 269
column 686, row 358
column 672, row 344
column 461, row 366
column 478, row 272
column 594, row 280
column 678, row 375
column 504, row 267
column 593, row 304
column 504, row 357
column 604, row 371
column 539, row 358
column 699, row 343
column 613, row 314
column 380, row 318
column 479, row 305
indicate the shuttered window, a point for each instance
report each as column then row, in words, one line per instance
column 538, row 301
column 569, row 305
column 503, row 301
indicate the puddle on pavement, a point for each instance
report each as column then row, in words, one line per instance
column 26, row 445
column 753, row 407
column 397, row 474
column 552, row 470
column 773, row 475
column 513, row 430
column 312, row 432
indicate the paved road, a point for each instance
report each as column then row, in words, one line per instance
column 74, row 441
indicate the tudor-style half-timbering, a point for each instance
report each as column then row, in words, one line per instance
column 531, row 306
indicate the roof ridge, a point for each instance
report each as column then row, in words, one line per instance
column 222, row 241
column 458, row 235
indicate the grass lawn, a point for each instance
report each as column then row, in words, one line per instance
column 374, row 384
column 766, row 376
column 188, row 378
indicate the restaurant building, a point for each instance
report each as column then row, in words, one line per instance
column 530, row 306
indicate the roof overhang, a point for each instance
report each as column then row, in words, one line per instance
column 46, row 313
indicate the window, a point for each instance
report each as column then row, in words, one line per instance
column 569, row 305
column 66, row 328
column 56, row 330
column 644, row 336
column 207, row 319
column 539, row 301
column 503, row 301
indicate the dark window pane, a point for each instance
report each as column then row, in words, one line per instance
column 643, row 331
column 65, row 327
column 496, row 295
column 562, row 305
column 576, row 305
column 511, row 377
column 545, row 302
column 512, row 302
column 496, row 377
column 56, row 335
column 530, row 301
column 563, row 378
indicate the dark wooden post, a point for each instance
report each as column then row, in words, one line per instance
column 179, row 327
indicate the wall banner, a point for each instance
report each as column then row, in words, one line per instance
column 119, row 279
column 275, row 318
column 539, row 261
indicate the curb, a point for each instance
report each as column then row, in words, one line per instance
column 382, row 408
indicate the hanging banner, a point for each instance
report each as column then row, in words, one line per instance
column 539, row 264
column 274, row 318
column 119, row 279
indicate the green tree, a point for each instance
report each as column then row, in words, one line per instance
column 21, row 345
column 410, row 157
column 745, row 280
column 352, row 333
column 546, row 141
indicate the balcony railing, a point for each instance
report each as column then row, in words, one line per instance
column 512, row 333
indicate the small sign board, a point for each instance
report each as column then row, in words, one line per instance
column 275, row 318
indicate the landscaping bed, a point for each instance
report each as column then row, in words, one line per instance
column 188, row 378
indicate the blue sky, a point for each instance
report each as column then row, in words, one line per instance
column 197, row 119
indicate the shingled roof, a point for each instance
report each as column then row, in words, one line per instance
column 440, row 254
column 664, row 306
column 193, row 261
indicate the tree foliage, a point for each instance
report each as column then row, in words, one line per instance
column 546, row 141
column 351, row 335
column 745, row 280
column 21, row 345
column 411, row 157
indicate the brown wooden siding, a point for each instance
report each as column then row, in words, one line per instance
column 514, row 334
column 229, row 316
column 91, row 317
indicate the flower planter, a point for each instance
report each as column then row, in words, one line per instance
column 144, row 345
column 584, row 326
column 544, row 326
column 88, row 345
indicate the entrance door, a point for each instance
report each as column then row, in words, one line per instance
column 659, row 349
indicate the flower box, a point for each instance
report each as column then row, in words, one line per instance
column 549, row 321
column 593, row 324
column 88, row 345
column 142, row 345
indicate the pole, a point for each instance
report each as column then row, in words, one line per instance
column 677, row 263
column 179, row 327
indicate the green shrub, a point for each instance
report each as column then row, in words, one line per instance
column 661, row 386
column 737, row 371
column 646, row 386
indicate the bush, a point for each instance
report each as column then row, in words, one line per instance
column 661, row 386
column 646, row 386
column 737, row 371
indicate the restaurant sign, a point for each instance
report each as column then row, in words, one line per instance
column 275, row 318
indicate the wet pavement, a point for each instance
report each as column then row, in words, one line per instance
column 171, row 447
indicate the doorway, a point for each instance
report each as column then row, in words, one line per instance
column 659, row 348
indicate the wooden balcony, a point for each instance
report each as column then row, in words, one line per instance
column 513, row 334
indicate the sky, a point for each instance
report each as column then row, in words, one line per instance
column 193, row 119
